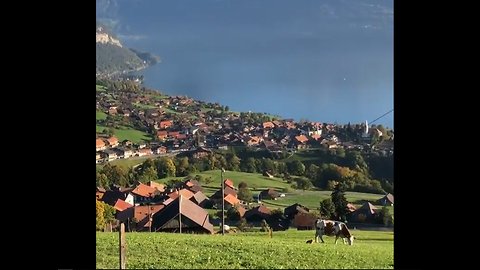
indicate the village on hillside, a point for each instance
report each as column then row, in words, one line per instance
column 180, row 124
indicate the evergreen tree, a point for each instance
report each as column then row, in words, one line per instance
column 340, row 202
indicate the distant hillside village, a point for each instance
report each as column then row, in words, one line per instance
column 177, row 124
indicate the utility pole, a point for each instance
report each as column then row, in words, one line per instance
column 223, row 202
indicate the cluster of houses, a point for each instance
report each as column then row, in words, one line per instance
column 154, row 207
column 183, row 124
column 109, row 148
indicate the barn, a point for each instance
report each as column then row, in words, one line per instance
column 183, row 216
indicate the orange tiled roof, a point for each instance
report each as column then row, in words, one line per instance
column 301, row 138
column 229, row 182
column 100, row 143
column 231, row 199
column 121, row 205
column 144, row 190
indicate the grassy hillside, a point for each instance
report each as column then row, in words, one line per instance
column 136, row 136
column 308, row 198
column 285, row 250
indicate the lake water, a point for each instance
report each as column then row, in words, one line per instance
column 321, row 60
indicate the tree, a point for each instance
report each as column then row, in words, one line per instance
column 100, row 215
column 385, row 217
column 165, row 167
column 182, row 166
column 303, row 183
column 115, row 174
column 245, row 195
column 233, row 162
column 109, row 213
column 102, row 180
column 340, row 202
column 296, row 167
column 327, row 208
column 249, row 165
column 233, row 214
column 311, row 172
column 242, row 185
column 147, row 175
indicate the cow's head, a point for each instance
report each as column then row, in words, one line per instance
column 350, row 240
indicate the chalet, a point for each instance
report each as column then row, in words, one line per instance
column 271, row 146
column 294, row 209
column 127, row 143
column 200, row 199
column 304, row 221
column 301, row 141
column 112, row 110
column 351, row 208
column 218, row 194
column 162, row 135
column 144, row 152
column 366, row 213
column 160, row 150
column 143, row 216
column 109, row 155
column 200, row 152
column 143, row 193
column 229, row 183
column 112, row 141
column 111, row 196
column 99, row 158
column 230, row 201
column 184, row 192
column 100, row 145
column 268, row 125
column 123, row 152
column 157, row 186
column 257, row 214
column 386, row 200
column 182, row 215
column 121, row 205
column 269, row 194
column 166, row 124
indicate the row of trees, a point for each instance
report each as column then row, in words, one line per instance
column 354, row 175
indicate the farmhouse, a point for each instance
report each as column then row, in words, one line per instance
column 294, row 209
column 269, row 194
column 182, row 215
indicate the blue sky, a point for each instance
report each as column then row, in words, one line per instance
column 321, row 60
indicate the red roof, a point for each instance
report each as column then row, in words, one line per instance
column 301, row 138
column 231, row 199
column 158, row 186
column 112, row 140
column 142, row 213
column 144, row 190
column 121, row 205
column 228, row 182
column 187, row 194
column 100, row 143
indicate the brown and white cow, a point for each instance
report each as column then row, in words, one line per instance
column 332, row 228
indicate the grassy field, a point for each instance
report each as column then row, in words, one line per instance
column 308, row 198
column 126, row 163
column 253, row 180
column 101, row 88
column 101, row 115
column 136, row 136
column 285, row 250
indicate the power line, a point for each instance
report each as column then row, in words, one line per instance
column 382, row 116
